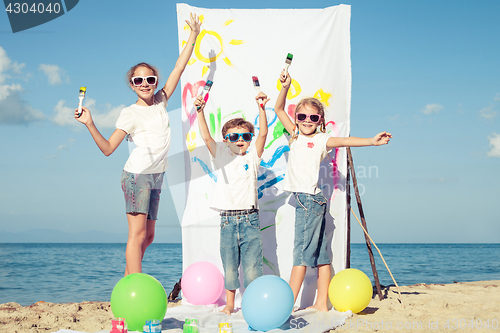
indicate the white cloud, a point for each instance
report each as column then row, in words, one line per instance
column 16, row 111
column 497, row 97
column 432, row 108
column 55, row 74
column 65, row 116
column 13, row 109
column 487, row 112
column 494, row 139
column 108, row 119
column 6, row 90
column 4, row 62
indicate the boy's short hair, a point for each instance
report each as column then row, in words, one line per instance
column 237, row 122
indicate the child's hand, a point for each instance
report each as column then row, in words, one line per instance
column 262, row 99
column 199, row 103
column 85, row 118
column 194, row 24
column 381, row 139
column 285, row 80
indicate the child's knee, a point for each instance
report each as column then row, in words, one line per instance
column 149, row 238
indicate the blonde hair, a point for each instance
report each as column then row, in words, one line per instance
column 131, row 71
column 315, row 103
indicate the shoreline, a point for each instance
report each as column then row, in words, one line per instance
column 463, row 306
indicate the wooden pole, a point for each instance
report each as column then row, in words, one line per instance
column 363, row 221
column 348, row 199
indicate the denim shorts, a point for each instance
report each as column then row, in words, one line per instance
column 310, row 237
column 142, row 193
column 240, row 241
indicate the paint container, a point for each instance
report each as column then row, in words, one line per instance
column 118, row 325
column 225, row 328
column 152, row 326
column 190, row 326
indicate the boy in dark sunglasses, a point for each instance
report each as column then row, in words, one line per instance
column 235, row 195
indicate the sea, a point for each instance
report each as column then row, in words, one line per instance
column 62, row 273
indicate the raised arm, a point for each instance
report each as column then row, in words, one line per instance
column 183, row 59
column 106, row 146
column 202, row 123
column 279, row 108
column 380, row 139
column 260, row 142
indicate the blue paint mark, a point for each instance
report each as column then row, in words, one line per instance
column 246, row 167
column 269, row 184
column 265, row 174
column 277, row 154
column 269, row 123
column 271, row 172
column 206, row 168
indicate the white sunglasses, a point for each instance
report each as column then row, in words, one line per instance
column 137, row 80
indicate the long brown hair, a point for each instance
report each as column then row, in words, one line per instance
column 315, row 103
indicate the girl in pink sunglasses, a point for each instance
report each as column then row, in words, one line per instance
column 309, row 145
column 146, row 123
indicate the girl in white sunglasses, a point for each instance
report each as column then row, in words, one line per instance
column 146, row 123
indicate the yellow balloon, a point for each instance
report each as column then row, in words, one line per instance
column 350, row 289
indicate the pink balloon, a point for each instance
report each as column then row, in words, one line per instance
column 202, row 283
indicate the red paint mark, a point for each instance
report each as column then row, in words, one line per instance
column 193, row 89
column 310, row 145
column 291, row 110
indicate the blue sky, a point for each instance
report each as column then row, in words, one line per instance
column 426, row 71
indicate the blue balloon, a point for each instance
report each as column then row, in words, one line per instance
column 267, row 303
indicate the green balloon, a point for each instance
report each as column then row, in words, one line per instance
column 138, row 297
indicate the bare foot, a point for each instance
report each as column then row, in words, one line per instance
column 228, row 309
column 318, row 307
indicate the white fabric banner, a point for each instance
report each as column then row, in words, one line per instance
column 233, row 46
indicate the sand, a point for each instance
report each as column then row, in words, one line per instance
column 458, row 307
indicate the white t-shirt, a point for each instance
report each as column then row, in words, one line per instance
column 236, row 186
column 149, row 129
column 304, row 159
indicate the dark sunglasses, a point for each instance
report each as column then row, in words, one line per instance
column 233, row 137
column 314, row 118
column 137, row 80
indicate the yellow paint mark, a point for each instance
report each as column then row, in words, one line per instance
column 228, row 22
column 323, row 96
column 191, row 61
column 186, row 27
column 236, row 42
column 202, row 18
column 294, row 91
column 198, row 43
column 190, row 140
column 204, row 70
column 227, row 61
column 183, row 43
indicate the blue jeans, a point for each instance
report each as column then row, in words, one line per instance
column 310, row 237
column 240, row 241
column 142, row 193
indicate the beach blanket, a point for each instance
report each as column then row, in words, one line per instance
column 209, row 317
column 233, row 46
